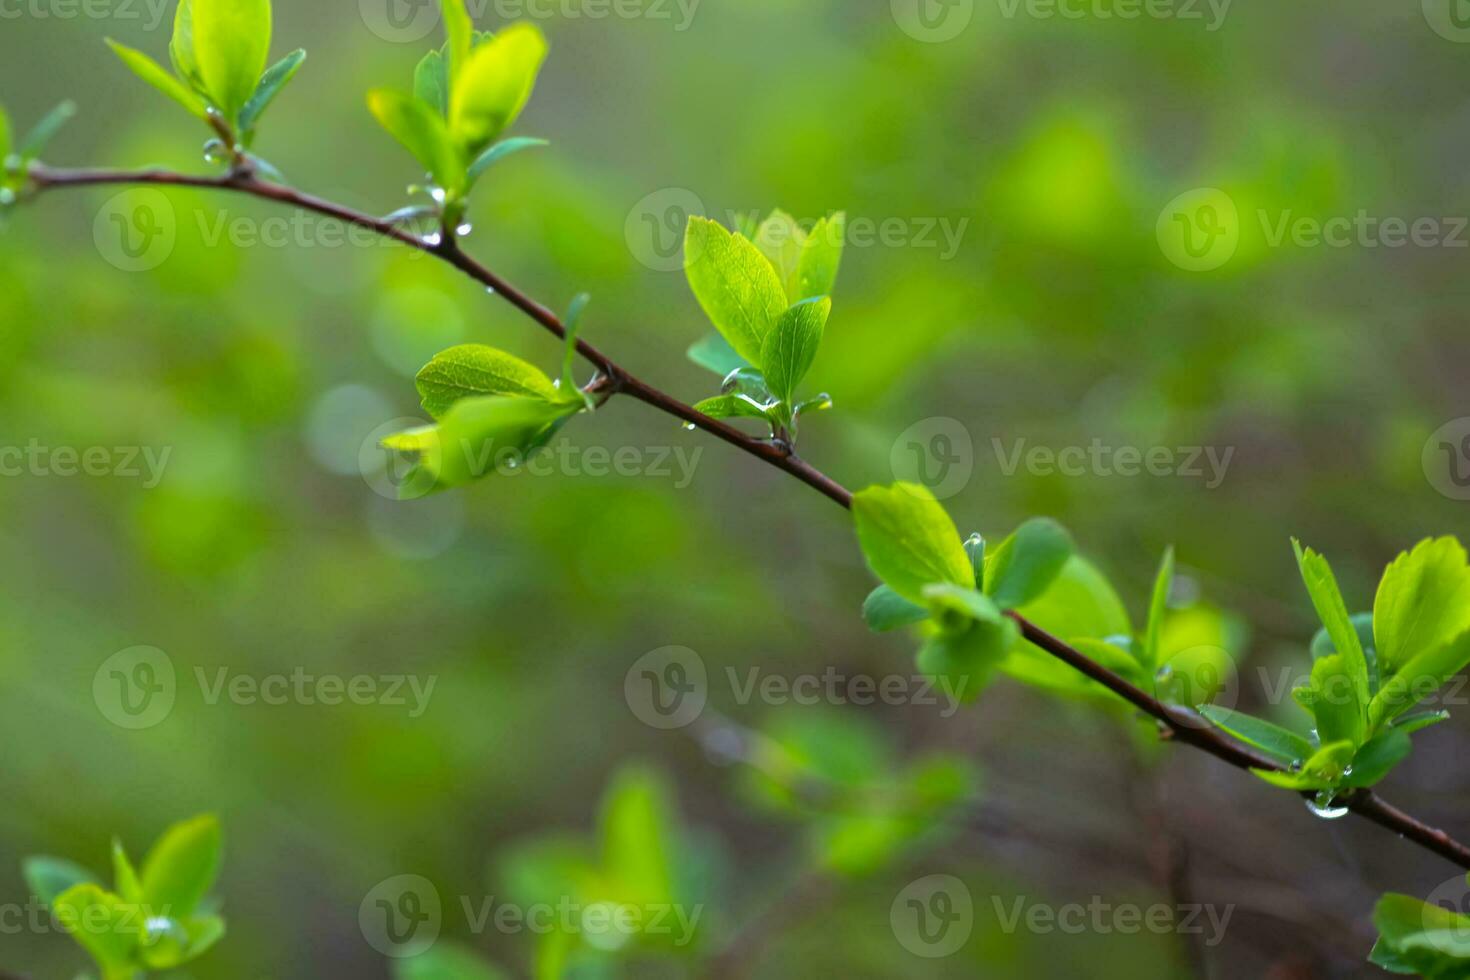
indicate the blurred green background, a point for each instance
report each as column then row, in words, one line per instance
column 1050, row 149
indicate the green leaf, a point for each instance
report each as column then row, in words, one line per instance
column 152, row 73
column 124, row 878
column 1157, row 607
column 422, row 133
column 431, row 82
column 955, row 606
column 1423, row 602
column 43, row 132
column 965, row 660
column 781, row 240
column 886, row 610
column 475, row 370
column 104, row 925
column 1080, row 605
column 502, row 150
column 714, row 353
column 232, row 40
column 1283, row 745
column 790, row 349
column 821, row 257
column 638, row 837
column 495, row 85
column 1327, row 598
column 1322, row 770
column 181, row 48
column 1420, row 721
column 181, row 867
column 909, row 540
column 472, row 438
column 731, row 407
column 173, row 942
column 1024, row 565
column 1419, row 678
column 573, row 323
column 1333, row 702
column 5, row 141
column 276, row 78
column 1378, row 757
column 460, row 31
column 1417, row 937
column 48, row 877
column 446, row 961
column 736, row 287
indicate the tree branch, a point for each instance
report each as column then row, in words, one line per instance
column 1178, row 724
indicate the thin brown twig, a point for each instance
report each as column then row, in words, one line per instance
column 1178, row 724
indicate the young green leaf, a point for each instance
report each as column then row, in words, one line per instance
column 271, row 83
column 1332, row 699
column 180, row 941
column 713, row 352
column 1322, row 770
column 495, row 85
column 474, row 370
column 790, row 349
column 1419, row 678
column 781, row 240
column 909, row 540
column 460, row 31
column 422, row 133
column 1285, row 746
column 1423, row 602
column 1025, row 564
column 431, row 82
column 966, row 659
column 1420, row 720
column 886, row 610
column 152, row 73
column 472, row 438
column 821, row 257
column 1157, row 607
column 48, row 877
column 124, row 877
column 638, row 825
column 975, row 548
column 736, row 287
column 5, row 141
column 573, row 323
column 104, row 925
column 181, row 49
column 1418, row 937
column 181, row 867
column 232, row 40
column 1327, row 598
column 1378, row 757
column 43, row 132
column 500, row 151
column 731, row 407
